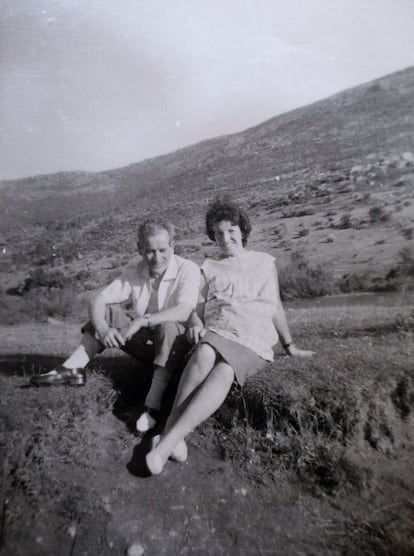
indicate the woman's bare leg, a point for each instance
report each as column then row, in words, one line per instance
column 205, row 401
column 198, row 367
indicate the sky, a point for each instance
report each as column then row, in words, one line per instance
column 98, row 84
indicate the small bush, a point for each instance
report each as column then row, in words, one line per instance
column 408, row 232
column 404, row 323
column 344, row 222
column 40, row 278
column 301, row 279
column 296, row 212
column 361, row 197
column 406, row 260
column 377, row 214
column 354, row 282
column 51, row 302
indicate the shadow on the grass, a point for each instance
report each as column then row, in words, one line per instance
column 129, row 378
column 26, row 364
column 137, row 465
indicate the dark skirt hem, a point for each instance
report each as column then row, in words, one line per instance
column 244, row 361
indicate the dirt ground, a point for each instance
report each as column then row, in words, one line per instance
column 75, row 482
column 203, row 506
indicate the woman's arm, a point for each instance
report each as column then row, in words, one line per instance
column 282, row 327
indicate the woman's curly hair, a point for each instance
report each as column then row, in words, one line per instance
column 223, row 208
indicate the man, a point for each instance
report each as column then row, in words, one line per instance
column 162, row 290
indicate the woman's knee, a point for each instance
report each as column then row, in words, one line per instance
column 225, row 372
column 203, row 359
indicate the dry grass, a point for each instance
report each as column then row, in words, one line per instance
column 328, row 425
column 318, row 418
column 388, row 531
column 38, row 442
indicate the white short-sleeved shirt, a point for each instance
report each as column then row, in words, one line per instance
column 180, row 284
column 241, row 300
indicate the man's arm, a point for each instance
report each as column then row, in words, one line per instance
column 109, row 337
column 186, row 301
column 178, row 313
column 118, row 291
column 195, row 323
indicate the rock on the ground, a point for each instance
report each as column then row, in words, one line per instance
column 135, row 549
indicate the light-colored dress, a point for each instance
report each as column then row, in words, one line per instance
column 241, row 298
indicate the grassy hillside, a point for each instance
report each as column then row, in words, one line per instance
column 333, row 179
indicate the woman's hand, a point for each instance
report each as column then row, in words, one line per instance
column 135, row 326
column 195, row 333
column 293, row 351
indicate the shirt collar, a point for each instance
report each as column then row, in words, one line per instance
column 169, row 274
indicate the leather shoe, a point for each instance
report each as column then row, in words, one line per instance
column 60, row 375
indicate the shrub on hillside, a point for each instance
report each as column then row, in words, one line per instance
column 402, row 274
column 378, row 214
column 40, row 295
column 354, row 282
column 40, row 278
column 406, row 260
column 38, row 304
column 345, row 222
column 296, row 212
column 51, row 302
column 299, row 278
column 407, row 232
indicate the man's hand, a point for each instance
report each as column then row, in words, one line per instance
column 136, row 325
column 293, row 351
column 110, row 338
column 195, row 333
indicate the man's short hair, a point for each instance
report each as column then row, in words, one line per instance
column 152, row 226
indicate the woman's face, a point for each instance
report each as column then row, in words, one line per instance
column 228, row 238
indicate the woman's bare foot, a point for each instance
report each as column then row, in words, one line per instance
column 155, row 460
column 155, row 463
column 180, row 452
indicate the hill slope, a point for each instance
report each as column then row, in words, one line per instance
column 309, row 162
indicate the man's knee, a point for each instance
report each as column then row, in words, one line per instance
column 170, row 336
column 168, row 331
column 170, row 345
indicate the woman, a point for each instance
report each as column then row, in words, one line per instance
column 243, row 318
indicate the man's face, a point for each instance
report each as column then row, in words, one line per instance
column 156, row 251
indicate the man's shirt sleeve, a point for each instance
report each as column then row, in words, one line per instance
column 189, row 285
column 118, row 291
